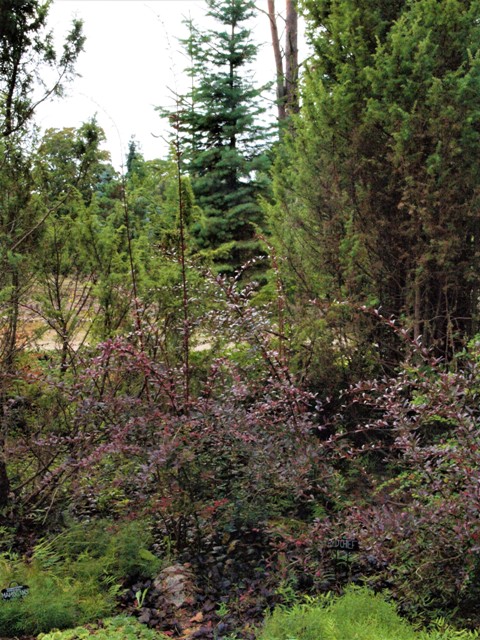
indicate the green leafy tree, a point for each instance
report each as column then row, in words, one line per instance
column 164, row 212
column 110, row 255
column 152, row 194
column 69, row 170
column 26, row 51
column 72, row 159
column 222, row 138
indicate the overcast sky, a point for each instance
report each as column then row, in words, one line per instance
column 132, row 62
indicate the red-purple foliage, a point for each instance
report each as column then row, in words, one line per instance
column 124, row 439
column 397, row 468
column 410, row 445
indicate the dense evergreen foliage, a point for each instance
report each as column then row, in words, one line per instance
column 381, row 207
column 223, row 139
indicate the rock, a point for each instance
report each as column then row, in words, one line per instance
column 209, row 605
column 176, row 585
column 222, row 628
column 203, row 632
column 145, row 617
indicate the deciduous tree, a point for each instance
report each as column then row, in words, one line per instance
column 26, row 50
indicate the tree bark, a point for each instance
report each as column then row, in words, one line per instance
column 287, row 79
column 291, row 58
column 282, row 113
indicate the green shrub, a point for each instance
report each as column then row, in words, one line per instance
column 121, row 549
column 128, row 552
column 54, row 600
column 92, row 537
column 75, row 577
column 120, row 628
column 358, row 615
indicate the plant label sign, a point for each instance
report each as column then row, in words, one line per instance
column 343, row 544
column 11, row 593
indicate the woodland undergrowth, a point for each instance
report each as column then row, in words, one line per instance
column 225, row 455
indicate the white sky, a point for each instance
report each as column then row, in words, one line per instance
column 132, row 61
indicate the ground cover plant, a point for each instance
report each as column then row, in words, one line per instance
column 357, row 615
column 56, row 598
column 118, row 628
column 74, row 578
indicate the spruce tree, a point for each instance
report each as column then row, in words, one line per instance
column 223, row 139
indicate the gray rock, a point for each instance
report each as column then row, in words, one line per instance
column 145, row 616
column 176, row 585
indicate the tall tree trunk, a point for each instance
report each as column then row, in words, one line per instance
column 4, row 480
column 291, row 58
column 287, row 79
column 282, row 113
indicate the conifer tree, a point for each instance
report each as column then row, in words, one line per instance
column 382, row 206
column 223, row 139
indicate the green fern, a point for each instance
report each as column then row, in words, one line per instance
column 358, row 615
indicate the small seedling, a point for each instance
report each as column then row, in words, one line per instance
column 222, row 610
column 140, row 597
